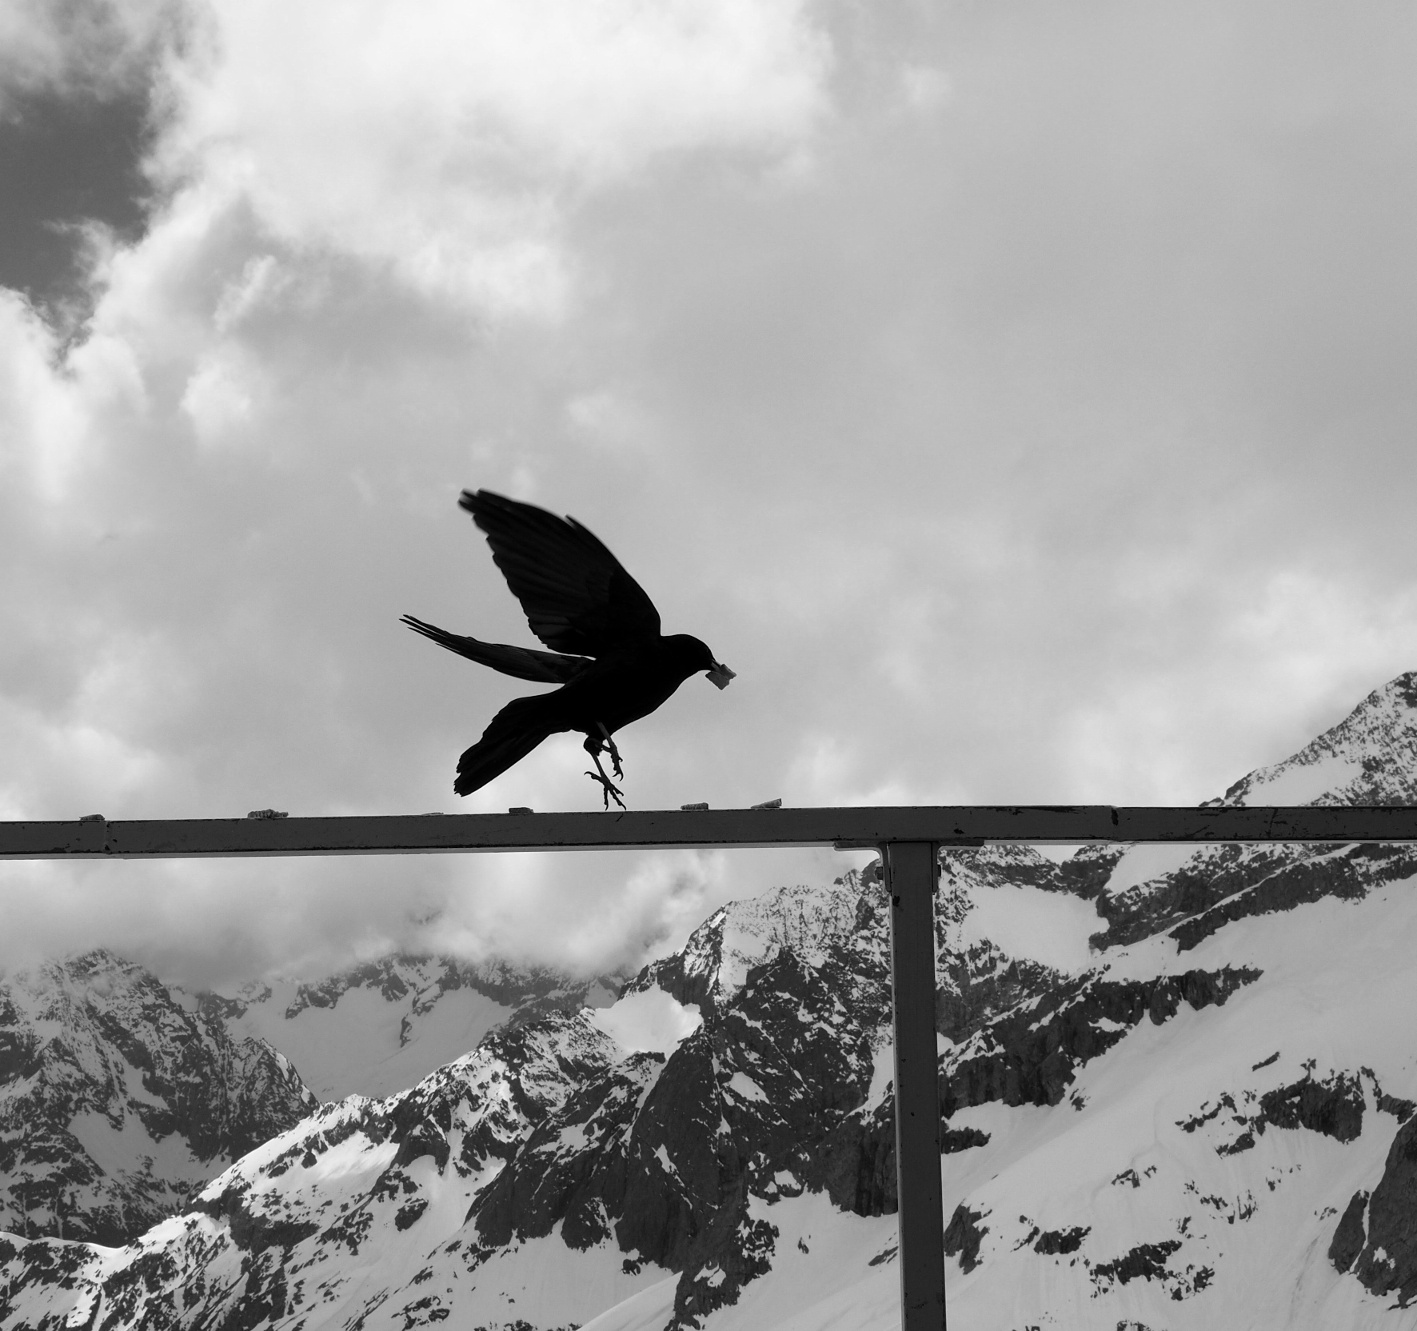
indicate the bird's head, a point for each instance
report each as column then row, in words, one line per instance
column 698, row 657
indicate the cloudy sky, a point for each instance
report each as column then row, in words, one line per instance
column 1018, row 396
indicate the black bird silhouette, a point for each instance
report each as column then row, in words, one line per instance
column 607, row 653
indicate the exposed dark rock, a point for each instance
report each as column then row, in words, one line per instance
column 251, row 1231
column 1349, row 1237
column 217, row 1008
column 1058, row 1241
column 669, row 1153
column 1348, row 876
column 542, row 1184
column 1333, row 1106
column 409, row 1212
column 1401, row 1110
column 1244, row 1142
column 1147, row 1261
column 856, row 1166
column 1226, row 1101
column 1149, row 907
column 1030, row 1055
column 1387, row 1262
column 972, row 985
column 731, row 1250
column 1022, row 866
column 963, row 1235
column 1086, row 872
column 977, row 983
column 689, row 985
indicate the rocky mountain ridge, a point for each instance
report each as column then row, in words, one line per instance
column 1369, row 758
column 118, row 1100
column 121, row 1096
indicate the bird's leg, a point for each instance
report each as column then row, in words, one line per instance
column 614, row 752
column 608, row 788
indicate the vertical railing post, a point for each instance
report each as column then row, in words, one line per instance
column 912, row 868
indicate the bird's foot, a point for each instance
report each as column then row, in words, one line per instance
column 614, row 753
column 609, row 789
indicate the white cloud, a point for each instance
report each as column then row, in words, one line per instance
column 221, row 394
column 98, row 46
column 613, row 425
column 446, row 141
column 925, row 89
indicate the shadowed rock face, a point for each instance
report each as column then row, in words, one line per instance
column 963, row 1235
column 669, row 1152
column 1350, row 1235
column 765, row 1099
column 1224, row 884
column 1376, row 1238
column 1333, row 1107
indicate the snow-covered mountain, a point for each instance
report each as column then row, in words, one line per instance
column 557, row 1169
column 120, row 1096
column 1178, row 1090
column 1370, row 757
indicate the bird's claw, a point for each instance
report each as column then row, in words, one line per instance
column 613, row 751
column 608, row 788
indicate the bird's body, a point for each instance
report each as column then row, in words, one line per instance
column 613, row 664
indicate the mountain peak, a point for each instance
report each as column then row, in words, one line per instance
column 1368, row 758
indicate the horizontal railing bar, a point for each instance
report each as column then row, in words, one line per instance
column 414, row 834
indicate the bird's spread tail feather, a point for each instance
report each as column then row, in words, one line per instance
column 512, row 734
column 522, row 662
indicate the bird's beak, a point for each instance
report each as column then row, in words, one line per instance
column 720, row 674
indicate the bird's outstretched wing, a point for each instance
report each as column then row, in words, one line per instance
column 523, row 662
column 577, row 596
